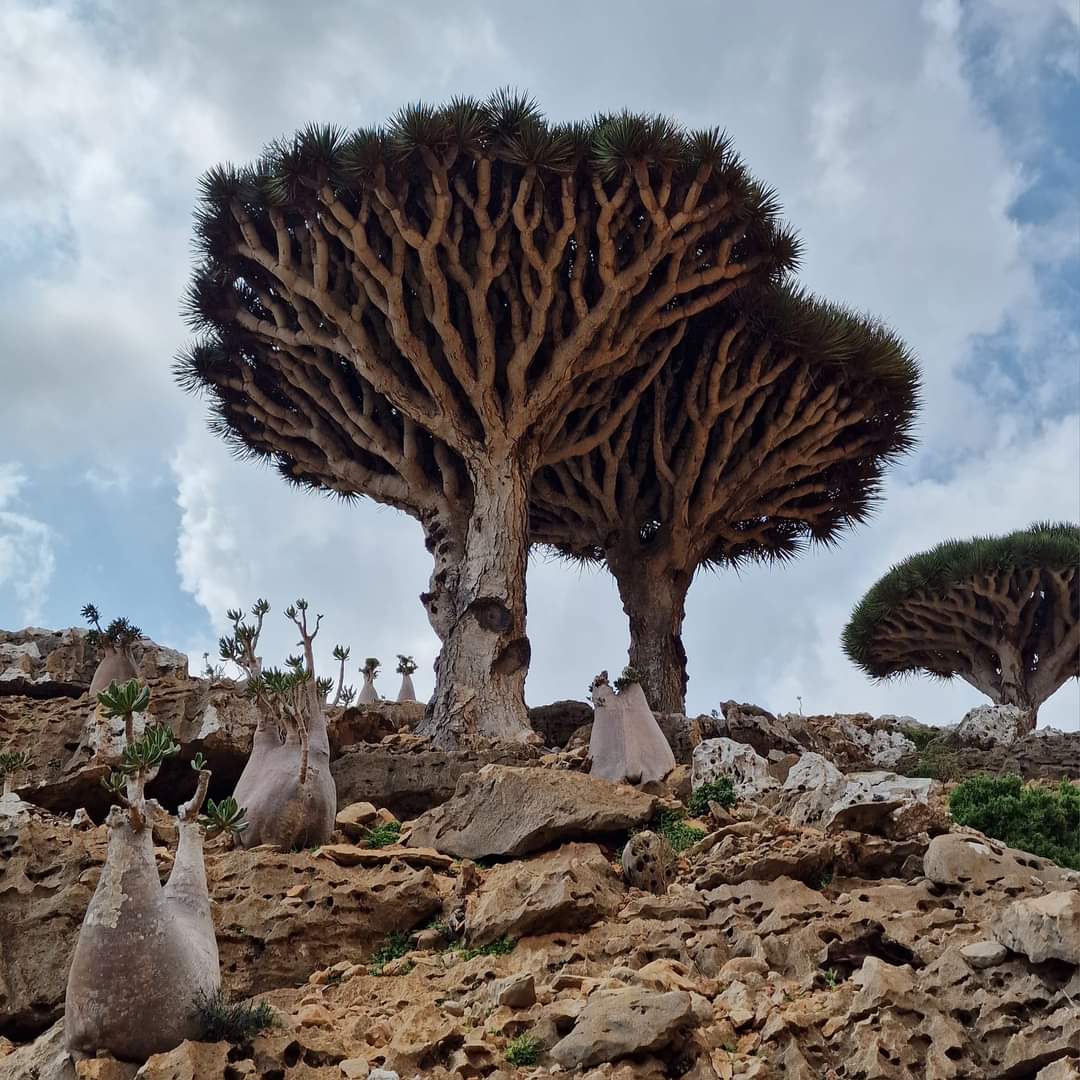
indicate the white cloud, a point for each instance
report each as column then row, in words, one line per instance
column 26, row 549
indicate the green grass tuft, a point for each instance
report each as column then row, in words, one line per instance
column 383, row 835
column 1034, row 817
column 232, row 1021
column 395, row 946
column 500, row 947
column 672, row 825
column 721, row 791
column 524, row 1050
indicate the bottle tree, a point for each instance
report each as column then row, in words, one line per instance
column 114, row 642
column 146, row 951
column 1000, row 612
column 427, row 312
column 286, row 786
column 769, row 426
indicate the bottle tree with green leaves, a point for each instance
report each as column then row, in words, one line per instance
column 145, row 952
column 406, row 665
column 286, row 785
column 113, row 643
column 12, row 762
column 370, row 671
column 1000, row 612
column 770, row 427
column 427, row 312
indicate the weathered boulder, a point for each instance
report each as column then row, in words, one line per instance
column 1043, row 927
column 746, row 769
column 46, row 1058
column 973, row 861
column 504, row 811
column 188, row 1061
column 563, row 890
column 1042, row 755
column 408, row 776
column 372, row 722
column 557, row 722
column 992, row 725
column 810, row 789
column 868, row 801
column 619, row 1023
column 648, row 862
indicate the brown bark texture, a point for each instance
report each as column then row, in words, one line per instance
column 764, row 430
column 423, row 313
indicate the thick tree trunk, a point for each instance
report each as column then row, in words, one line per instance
column 479, row 612
column 654, row 600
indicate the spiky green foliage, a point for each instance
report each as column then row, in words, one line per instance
column 13, row 761
column 720, row 791
column 371, row 666
column 629, row 676
column 406, row 665
column 961, row 607
column 1035, row 817
column 395, row 946
column 223, row 816
column 224, row 1020
column 124, row 698
column 523, row 1051
column 119, row 634
column 672, row 825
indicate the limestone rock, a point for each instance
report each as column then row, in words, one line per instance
column 557, row 722
column 355, row 819
column 868, row 800
column 810, row 788
column 409, row 777
column 618, row 1023
column 188, row 1061
column 648, row 862
column 984, row 954
column 563, row 890
column 747, row 770
column 973, row 861
column 992, row 725
column 44, row 1059
column 504, row 811
column 515, row 991
column 1065, row 1068
column 1043, row 927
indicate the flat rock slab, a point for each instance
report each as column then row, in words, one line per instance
column 351, row 855
column 503, row 811
column 618, row 1023
column 1043, row 928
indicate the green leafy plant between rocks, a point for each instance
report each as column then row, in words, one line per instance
column 720, row 791
column 1035, row 817
column 524, row 1050
column 383, row 835
column 236, row 1022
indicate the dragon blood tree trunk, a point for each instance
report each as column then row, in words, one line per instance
column 654, row 599
column 144, row 953
column 480, row 686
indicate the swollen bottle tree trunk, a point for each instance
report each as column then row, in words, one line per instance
column 654, row 599
column 115, row 665
column 485, row 654
column 626, row 745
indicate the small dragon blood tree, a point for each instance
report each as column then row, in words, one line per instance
column 145, row 952
column 626, row 745
column 368, row 694
column 286, row 786
column 114, row 644
column 1002, row 613
column 405, row 667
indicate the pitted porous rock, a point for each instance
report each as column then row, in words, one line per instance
column 648, row 862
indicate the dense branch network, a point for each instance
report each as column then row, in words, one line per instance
column 763, row 429
column 427, row 312
column 1002, row 613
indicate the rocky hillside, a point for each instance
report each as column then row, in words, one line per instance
column 526, row 920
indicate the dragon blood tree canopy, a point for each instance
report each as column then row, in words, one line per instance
column 1000, row 612
column 426, row 312
column 770, row 426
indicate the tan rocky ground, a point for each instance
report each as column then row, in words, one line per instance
column 789, row 944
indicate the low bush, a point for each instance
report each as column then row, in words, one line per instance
column 721, row 791
column 672, row 825
column 393, row 948
column 524, row 1050
column 383, row 835
column 1041, row 818
column 237, row 1022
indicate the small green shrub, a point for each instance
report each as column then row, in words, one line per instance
column 672, row 825
column 934, row 760
column 1039, row 818
column 233, row 1021
column 721, row 791
column 832, row 977
column 524, row 1050
column 499, row 947
column 395, row 946
column 921, row 737
column 383, row 835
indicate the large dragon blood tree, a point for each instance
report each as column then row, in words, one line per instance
column 425, row 313
column 770, row 426
column 1000, row 612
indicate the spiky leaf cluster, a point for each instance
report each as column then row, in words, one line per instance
column 957, row 565
column 122, row 699
column 629, row 676
column 371, row 667
column 141, row 756
column 223, row 816
column 406, row 665
column 119, row 634
column 12, row 761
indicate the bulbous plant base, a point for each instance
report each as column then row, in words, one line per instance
column 368, row 694
column 145, row 954
column 627, row 745
column 407, row 692
column 281, row 810
column 116, row 665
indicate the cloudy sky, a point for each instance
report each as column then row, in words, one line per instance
column 927, row 152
